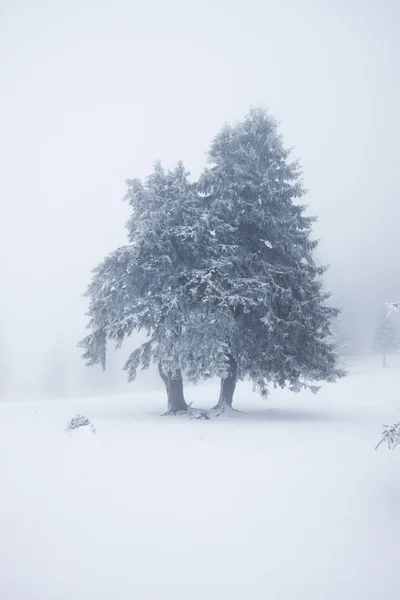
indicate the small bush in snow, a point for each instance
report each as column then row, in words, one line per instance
column 390, row 436
column 79, row 421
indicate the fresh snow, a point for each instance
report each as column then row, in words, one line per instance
column 287, row 501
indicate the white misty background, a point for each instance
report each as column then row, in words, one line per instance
column 92, row 93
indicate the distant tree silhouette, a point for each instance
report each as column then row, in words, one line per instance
column 385, row 339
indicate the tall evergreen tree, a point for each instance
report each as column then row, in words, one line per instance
column 385, row 339
column 267, row 279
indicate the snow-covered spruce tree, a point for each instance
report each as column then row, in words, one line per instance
column 142, row 286
column 266, row 279
column 385, row 339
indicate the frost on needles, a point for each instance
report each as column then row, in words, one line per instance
column 219, row 273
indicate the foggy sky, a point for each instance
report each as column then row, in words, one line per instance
column 94, row 92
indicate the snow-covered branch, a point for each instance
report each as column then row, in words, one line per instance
column 390, row 436
column 393, row 307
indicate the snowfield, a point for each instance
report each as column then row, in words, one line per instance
column 287, row 501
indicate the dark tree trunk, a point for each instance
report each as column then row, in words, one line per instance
column 228, row 385
column 174, row 385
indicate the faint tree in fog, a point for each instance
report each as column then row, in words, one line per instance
column 391, row 433
column 386, row 339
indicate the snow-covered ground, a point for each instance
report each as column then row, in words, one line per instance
column 288, row 501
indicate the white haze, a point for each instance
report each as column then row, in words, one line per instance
column 93, row 92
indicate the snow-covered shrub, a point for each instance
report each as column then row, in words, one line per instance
column 79, row 421
column 390, row 436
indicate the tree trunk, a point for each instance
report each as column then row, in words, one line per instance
column 384, row 360
column 228, row 385
column 174, row 385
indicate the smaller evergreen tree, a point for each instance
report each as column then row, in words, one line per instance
column 385, row 339
column 145, row 286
